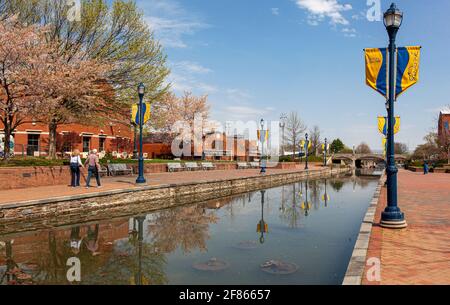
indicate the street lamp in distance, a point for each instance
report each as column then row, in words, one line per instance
column 283, row 118
column 262, row 135
column 306, row 151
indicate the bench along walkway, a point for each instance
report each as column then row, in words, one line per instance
column 419, row 254
column 122, row 183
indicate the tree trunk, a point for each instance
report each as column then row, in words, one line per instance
column 448, row 155
column 293, row 148
column 52, row 139
column 8, row 131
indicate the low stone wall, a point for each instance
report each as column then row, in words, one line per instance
column 23, row 177
column 355, row 269
column 34, row 176
column 40, row 214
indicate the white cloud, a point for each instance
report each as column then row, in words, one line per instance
column 275, row 11
column 319, row 9
column 349, row 32
column 242, row 112
column 170, row 22
column 185, row 76
column 238, row 95
column 191, row 67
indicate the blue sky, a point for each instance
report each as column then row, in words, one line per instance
column 258, row 58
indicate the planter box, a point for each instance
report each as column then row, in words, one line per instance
column 440, row 170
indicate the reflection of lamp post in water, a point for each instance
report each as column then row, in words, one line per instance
column 305, row 205
column 326, row 197
column 139, row 234
column 262, row 227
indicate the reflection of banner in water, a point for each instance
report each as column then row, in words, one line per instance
column 326, row 198
column 383, row 126
column 266, row 227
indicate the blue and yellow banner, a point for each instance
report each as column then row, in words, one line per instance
column 264, row 137
column 384, row 144
column 376, row 70
column 303, row 144
column 135, row 113
column 383, row 126
column 407, row 71
column 408, row 63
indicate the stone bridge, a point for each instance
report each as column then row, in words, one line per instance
column 357, row 158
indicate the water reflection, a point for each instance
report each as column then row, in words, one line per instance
column 162, row 247
column 262, row 227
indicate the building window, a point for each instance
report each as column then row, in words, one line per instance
column 101, row 144
column 86, row 144
column 67, row 147
column 446, row 126
column 33, row 144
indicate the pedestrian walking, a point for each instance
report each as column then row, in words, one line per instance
column 93, row 164
column 425, row 167
column 75, row 164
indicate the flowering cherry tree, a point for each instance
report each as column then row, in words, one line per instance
column 22, row 49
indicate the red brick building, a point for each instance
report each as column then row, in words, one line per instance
column 216, row 146
column 444, row 126
column 31, row 139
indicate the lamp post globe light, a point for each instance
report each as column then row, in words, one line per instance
column 306, row 151
column 392, row 217
column 262, row 136
column 141, row 91
column 325, row 152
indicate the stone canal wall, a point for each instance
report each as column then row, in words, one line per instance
column 41, row 214
column 35, row 176
column 355, row 269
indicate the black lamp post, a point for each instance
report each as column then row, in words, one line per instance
column 262, row 135
column 392, row 217
column 306, row 151
column 135, row 151
column 141, row 91
column 325, row 152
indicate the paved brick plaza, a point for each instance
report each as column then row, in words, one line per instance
column 117, row 183
column 419, row 254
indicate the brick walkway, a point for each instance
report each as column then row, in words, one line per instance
column 118, row 183
column 419, row 254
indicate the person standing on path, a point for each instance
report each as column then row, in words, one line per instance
column 75, row 164
column 93, row 164
column 425, row 167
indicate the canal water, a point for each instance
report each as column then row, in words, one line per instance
column 303, row 233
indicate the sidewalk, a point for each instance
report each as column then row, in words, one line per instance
column 419, row 254
column 124, row 182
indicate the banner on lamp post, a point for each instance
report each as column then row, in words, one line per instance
column 406, row 70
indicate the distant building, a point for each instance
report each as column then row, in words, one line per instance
column 157, row 145
column 444, row 126
column 31, row 139
column 214, row 146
